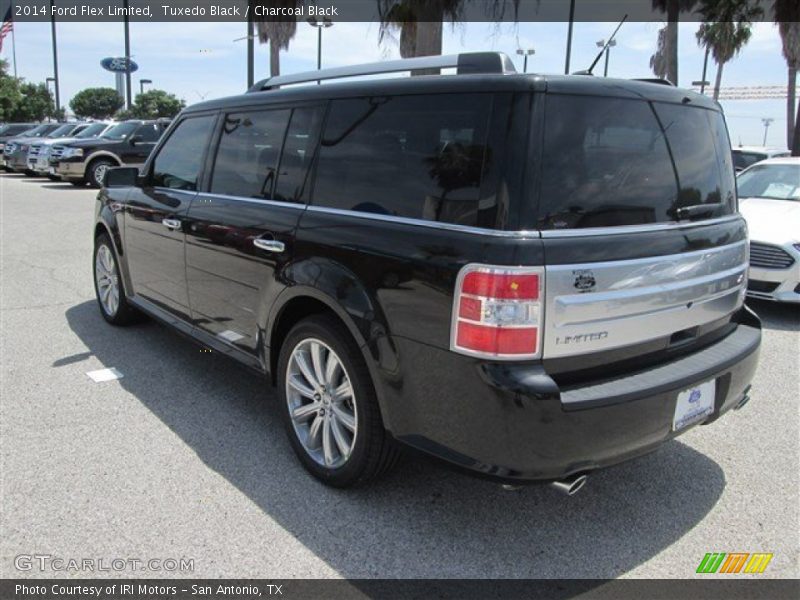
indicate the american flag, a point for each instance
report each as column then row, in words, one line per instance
column 8, row 26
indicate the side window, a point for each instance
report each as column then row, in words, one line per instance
column 298, row 154
column 148, row 132
column 177, row 164
column 419, row 156
column 247, row 157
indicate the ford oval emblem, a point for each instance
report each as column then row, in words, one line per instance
column 119, row 64
column 694, row 396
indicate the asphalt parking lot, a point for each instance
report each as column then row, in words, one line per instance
column 185, row 456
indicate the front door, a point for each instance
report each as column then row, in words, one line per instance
column 240, row 232
column 155, row 215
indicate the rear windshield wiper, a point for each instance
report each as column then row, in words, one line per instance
column 694, row 211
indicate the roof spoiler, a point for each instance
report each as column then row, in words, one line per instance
column 465, row 63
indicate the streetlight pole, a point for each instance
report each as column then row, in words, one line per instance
column 766, row 123
column 141, row 84
column 319, row 25
column 47, row 85
column 569, row 35
column 703, row 81
column 526, row 53
column 55, row 53
column 127, row 57
column 611, row 44
column 251, row 52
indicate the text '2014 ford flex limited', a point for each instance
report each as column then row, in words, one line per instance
column 527, row 277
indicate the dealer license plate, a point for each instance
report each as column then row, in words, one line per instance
column 694, row 405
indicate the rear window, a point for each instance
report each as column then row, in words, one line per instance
column 611, row 161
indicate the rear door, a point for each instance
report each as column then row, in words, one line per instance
column 155, row 217
column 241, row 229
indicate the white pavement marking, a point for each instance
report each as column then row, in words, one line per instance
column 104, row 375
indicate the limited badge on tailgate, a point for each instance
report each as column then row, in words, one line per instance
column 694, row 405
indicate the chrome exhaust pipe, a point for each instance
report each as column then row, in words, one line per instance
column 745, row 398
column 570, row 485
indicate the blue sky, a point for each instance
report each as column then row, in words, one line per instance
column 196, row 60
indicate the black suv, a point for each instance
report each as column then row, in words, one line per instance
column 128, row 143
column 528, row 277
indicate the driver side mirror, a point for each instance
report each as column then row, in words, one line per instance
column 135, row 139
column 121, row 177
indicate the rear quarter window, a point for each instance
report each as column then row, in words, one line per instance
column 421, row 156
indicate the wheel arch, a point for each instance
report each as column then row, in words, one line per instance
column 299, row 302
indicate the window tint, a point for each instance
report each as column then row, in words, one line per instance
column 177, row 164
column 742, row 160
column 149, row 132
column 247, row 157
column 406, row 156
column 610, row 161
column 298, row 154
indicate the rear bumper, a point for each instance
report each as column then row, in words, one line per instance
column 513, row 422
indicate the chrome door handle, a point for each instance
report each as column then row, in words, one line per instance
column 171, row 223
column 269, row 245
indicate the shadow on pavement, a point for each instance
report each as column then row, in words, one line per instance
column 422, row 520
column 777, row 315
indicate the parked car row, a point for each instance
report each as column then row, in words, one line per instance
column 78, row 152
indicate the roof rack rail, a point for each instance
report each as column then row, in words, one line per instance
column 654, row 80
column 466, row 63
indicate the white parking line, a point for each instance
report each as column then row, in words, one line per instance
column 104, row 375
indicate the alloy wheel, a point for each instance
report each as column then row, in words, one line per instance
column 321, row 403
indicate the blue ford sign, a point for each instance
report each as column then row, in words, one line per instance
column 119, row 65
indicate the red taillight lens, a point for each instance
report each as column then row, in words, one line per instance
column 497, row 312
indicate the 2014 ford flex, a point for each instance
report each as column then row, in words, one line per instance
column 529, row 277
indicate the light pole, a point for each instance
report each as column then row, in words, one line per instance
column 766, row 123
column 324, row 23
column 611, row 44
column 526, row 53
column 142, row 83
column 47, row 84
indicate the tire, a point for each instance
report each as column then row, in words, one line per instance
column 53, row 177
column 105, row 267
column 29, row 173
column 96, row 171
column 371, row 450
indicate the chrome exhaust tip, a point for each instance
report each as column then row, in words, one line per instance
column 745, row 398
column 570, row 485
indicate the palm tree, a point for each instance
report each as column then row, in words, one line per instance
column 665, row 61
column 726, row 29
column 419, row 22
column 787, row 16
column 277, row 31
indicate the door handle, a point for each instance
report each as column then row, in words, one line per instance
column 269, row 245
column 171, row 223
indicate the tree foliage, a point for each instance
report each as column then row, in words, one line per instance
column 154, row 104
column 96, row 103
column 726, row 29
column 22, row 101
column 665, row 60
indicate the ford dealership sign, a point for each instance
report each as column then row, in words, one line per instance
column 119, row 65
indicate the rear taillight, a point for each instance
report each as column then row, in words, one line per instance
column 497, row 312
